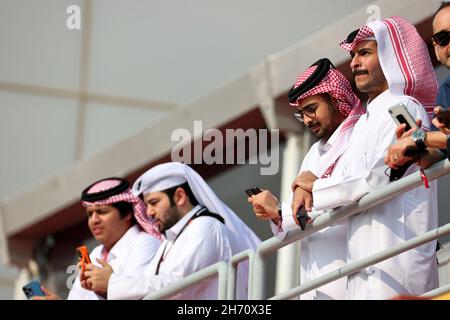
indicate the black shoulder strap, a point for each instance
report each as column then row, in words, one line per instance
column 205, row 212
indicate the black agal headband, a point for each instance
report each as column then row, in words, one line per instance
column 352, row 35
column 102, row 195
column 323, row 66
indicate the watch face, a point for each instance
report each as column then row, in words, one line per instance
column 418, row 135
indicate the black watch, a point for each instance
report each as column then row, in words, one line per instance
column 419, row 139
column 448, row 147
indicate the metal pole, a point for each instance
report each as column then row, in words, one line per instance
column 222, row 270
column 259, row 275
column 233, row 271
column 437, row 291
column 288, row 258
column 219, row 268
column 363, row 263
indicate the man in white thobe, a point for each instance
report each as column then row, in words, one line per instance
column 391, row 64
column 125, row 246
column 326, row 104
column 199, row 230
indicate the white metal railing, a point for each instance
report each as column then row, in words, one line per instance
column 257, row 260
column 368, row 201
column 437, row 291
column 233, row 269
column 219, row 268
column 363, row 263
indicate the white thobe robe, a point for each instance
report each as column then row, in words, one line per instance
column 383, row 226
column 323, row 251
column 202, row 243
column 130, row 255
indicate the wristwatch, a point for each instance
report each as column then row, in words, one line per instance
column 418, row 137
column 279, row 207
column 448, row 147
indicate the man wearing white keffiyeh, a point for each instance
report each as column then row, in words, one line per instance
column 198, row 228
column 391, row 64
column 326, row 104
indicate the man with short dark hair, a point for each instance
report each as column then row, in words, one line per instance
column 112, row 212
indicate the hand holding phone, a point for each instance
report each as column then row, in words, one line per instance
column 253, row 191
column 302, row 217
column 256, row 190
column 33, row 289
column 401, row 115
column 83, row 256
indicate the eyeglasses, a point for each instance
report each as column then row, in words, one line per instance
column 309, row 110
column 442, row 38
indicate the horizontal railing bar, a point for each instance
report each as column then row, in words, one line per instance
column 437, row 291
column 219, row 268
column 368, row 201
column 363, row 263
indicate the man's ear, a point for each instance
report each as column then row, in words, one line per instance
column 333, row 100
column 129, row 216
column 180, row 197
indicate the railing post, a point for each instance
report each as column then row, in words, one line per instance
column 233, row 268
column 259, row 275
column 222, row 270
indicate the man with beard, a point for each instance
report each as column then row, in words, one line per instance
column 326, row 104
column 391, row 64
column 198, row 228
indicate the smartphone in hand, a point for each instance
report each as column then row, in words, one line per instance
column 302, row 217
column 83, row 256
column 253, row 191
column 33, row 289
column 401, row 115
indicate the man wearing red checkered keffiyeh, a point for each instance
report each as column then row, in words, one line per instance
column 111, row 197
column 325, row 103
column 112, row 214
column 391, row 64
column 125, row 246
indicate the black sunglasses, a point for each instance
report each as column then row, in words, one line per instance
column 442, row 38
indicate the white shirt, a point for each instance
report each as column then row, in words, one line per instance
column 323, row 251
column 130, row 255
column 399, row 219
column 202, row 243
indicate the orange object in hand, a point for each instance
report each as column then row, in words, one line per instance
column 83, row 255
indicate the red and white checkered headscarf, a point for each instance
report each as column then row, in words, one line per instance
column 403, row 57
column 337, row 86
column 139, row 207
column 348, row 104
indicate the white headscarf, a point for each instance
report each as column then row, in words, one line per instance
column 171, row 174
